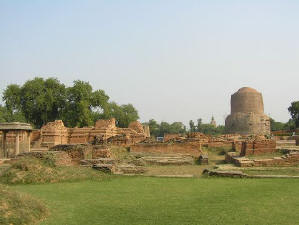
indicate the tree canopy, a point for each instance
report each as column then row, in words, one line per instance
column 40, row 101
column 294, row 111
column 158, row 130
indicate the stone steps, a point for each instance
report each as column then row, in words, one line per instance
column 284, row 143
column 129, row 169
column 91, row 162
column 40, row 149
column 107, row 168
column 168, row 160
column 122, row 169
column 109, row 165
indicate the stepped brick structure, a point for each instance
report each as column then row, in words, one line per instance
column 54, row 133
column 247, row 113
column 104, row 131
column 258, row 146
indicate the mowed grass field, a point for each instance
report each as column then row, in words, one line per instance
column 173, row 201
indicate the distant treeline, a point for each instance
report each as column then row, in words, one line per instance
column 159, row 129
column 40, row 100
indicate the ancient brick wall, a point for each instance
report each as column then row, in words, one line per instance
column 168, row 137
column 54, row 133
column 101, row 151
column 105, row 124
column 35, row 135
column 191, row 148
column 105, row 131
column 79, row 135
column 136, row 126
column 258, row 147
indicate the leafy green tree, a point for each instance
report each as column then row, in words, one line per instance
column 290, row 125
column 39, row 100
column 8, row 116
column 177, row 128
column 164, row 129
column 158, row 130
column 192, row 126
column 199, row 125
column 130, row 115
column 294, row 111
column 12, row 112
column 275, row 126
column 154, row 127
column 12, row 98
column 124, row 114
column 83, row 106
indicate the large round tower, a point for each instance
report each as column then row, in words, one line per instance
column 247, row 113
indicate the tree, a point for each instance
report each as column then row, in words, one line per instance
column 12, row 98
column 83, row 106
column 199, row 123
column 154, row 127
column 39, row 100
column 294, row 111
column 124, row 114
column 164, row 129
column 177, row 128
column 7, row 116
column 290, row 125
column 158, row 130
column 275, row 126
column 192, row 126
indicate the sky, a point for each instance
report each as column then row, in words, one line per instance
column 173, row 60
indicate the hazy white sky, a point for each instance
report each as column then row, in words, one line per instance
column 173, row 60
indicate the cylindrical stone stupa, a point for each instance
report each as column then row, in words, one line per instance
column 247, row 113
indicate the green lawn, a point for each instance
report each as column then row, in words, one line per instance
column 173, row 201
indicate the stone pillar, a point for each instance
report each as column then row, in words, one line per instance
column 4, row 143
column 28, row 139
column 17, row 145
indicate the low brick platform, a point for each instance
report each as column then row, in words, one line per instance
column 290, row 159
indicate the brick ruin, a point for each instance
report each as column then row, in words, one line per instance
column 289, row 159
column 104, row 132
column 258, row 146
column 188, row 144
